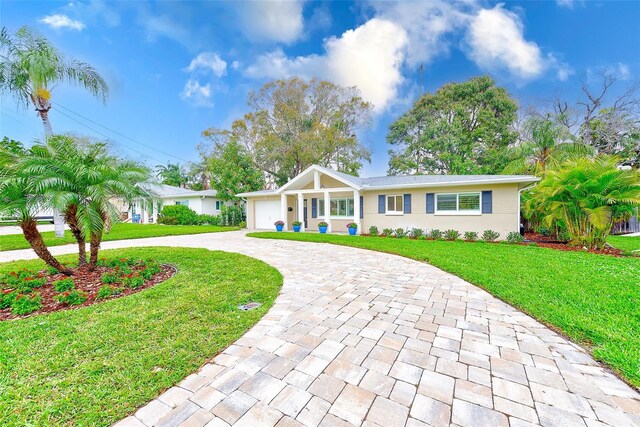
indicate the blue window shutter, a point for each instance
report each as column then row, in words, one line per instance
column 407, row 203
column 487, row 202
column 314, row 208
column 431, row 203
column 381, row 203
column 361, row 207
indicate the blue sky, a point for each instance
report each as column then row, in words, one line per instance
column 177, row 68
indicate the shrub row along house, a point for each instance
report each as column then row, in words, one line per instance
column 459, row 202
column 203, row 202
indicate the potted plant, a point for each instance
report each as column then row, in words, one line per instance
column 279, row 225
column 353, row 228
column 322, row 226
column 296, row 226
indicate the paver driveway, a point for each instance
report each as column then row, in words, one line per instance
column 360, row 337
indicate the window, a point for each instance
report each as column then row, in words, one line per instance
column 182, row 202
column 394, row 205
column 339, row 207
column 218, row 205
column 458, row 203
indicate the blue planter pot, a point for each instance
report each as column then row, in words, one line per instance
column 323, row 230
column 296, row 228
column 279, row 227
column 352, row 231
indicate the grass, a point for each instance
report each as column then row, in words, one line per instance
column 625, row 243
column 95, row 365
column 118, row 232
column 592, row 299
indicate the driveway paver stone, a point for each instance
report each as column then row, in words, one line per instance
column 365, row 338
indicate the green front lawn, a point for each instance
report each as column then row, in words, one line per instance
column 95, row 365
column 593, row 299
column 118, row 232
column 625, row 243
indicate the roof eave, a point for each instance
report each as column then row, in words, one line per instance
column 527, row 179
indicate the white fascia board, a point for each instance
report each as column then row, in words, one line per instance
column 321, row 170
column 452, row 184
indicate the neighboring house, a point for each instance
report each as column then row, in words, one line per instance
column 459, row 202
column 202, row 202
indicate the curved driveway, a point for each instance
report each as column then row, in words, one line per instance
column 359, row 337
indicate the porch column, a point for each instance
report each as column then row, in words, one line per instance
column 283, row 210
column 356, row 209
column 327, row 210
column 145, row 212
column 154, row 204
column 301, row 210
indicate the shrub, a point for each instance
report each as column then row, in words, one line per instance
column 515, row 237
column 296, row 223
column 208, row 219
column 416, row 233
column 64, row 285
column 544, row 231
column 387, row 232
column 451, row 234
column 177, row 215
column 490, row 235
column 373, row 230
column 153, row 267
column 25, row 304
column 120, row 262
column 133, row 281
column 108, row 278
column 104, row 292
column 146, row 274
column 242, row 224
column 28, row 284
column 232, row 215
column 7, row 298
column 74, row 297
column 435, row 234
column 352, row 225
column 400, row 233
column 470, row 236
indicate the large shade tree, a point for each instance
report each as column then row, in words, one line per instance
column 30, row 66
column 172, row 174
column 293, row 124
column 462, row 128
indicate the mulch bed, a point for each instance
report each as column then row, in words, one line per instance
column 549, row 242
column 87, row 281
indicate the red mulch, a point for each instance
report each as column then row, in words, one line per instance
column 549, row 242
column 87, row 281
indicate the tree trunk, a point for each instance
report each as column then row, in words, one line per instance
column 44, row 115
column 70, row 216
column 33, row 236
column 94, row 242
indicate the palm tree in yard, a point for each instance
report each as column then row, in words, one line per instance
column 18, row 199
column 82, row 180
column 30, row 67
column 585, row 196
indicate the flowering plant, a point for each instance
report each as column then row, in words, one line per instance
column 352, row 225
column 322, row 224
column 278, row 222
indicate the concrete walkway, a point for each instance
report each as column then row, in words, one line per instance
column 365, row 338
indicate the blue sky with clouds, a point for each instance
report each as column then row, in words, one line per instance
column 177, row 68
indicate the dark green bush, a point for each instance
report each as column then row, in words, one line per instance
column 435, row 234
column 373, row 230
column 490, row 235
column 515, row 237
column 451, row 234
column 470, row 236
column 416, row 233
column 178, row 215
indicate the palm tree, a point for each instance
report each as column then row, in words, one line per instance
column 19, row 199
column 30, row 66
column 547, row 144
column 585, row 196
column 172, row 174
column 82, row 180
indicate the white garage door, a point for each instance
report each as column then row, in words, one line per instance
column 267, row 212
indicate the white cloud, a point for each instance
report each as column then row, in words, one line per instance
column 59, row 21
column 274, row 20
column 197, row 94
column 622, row 71
column 496, row 41
column 428, row 24
column 236, row 64
column 368, row 57
column 207, row 62
column 565, row 3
